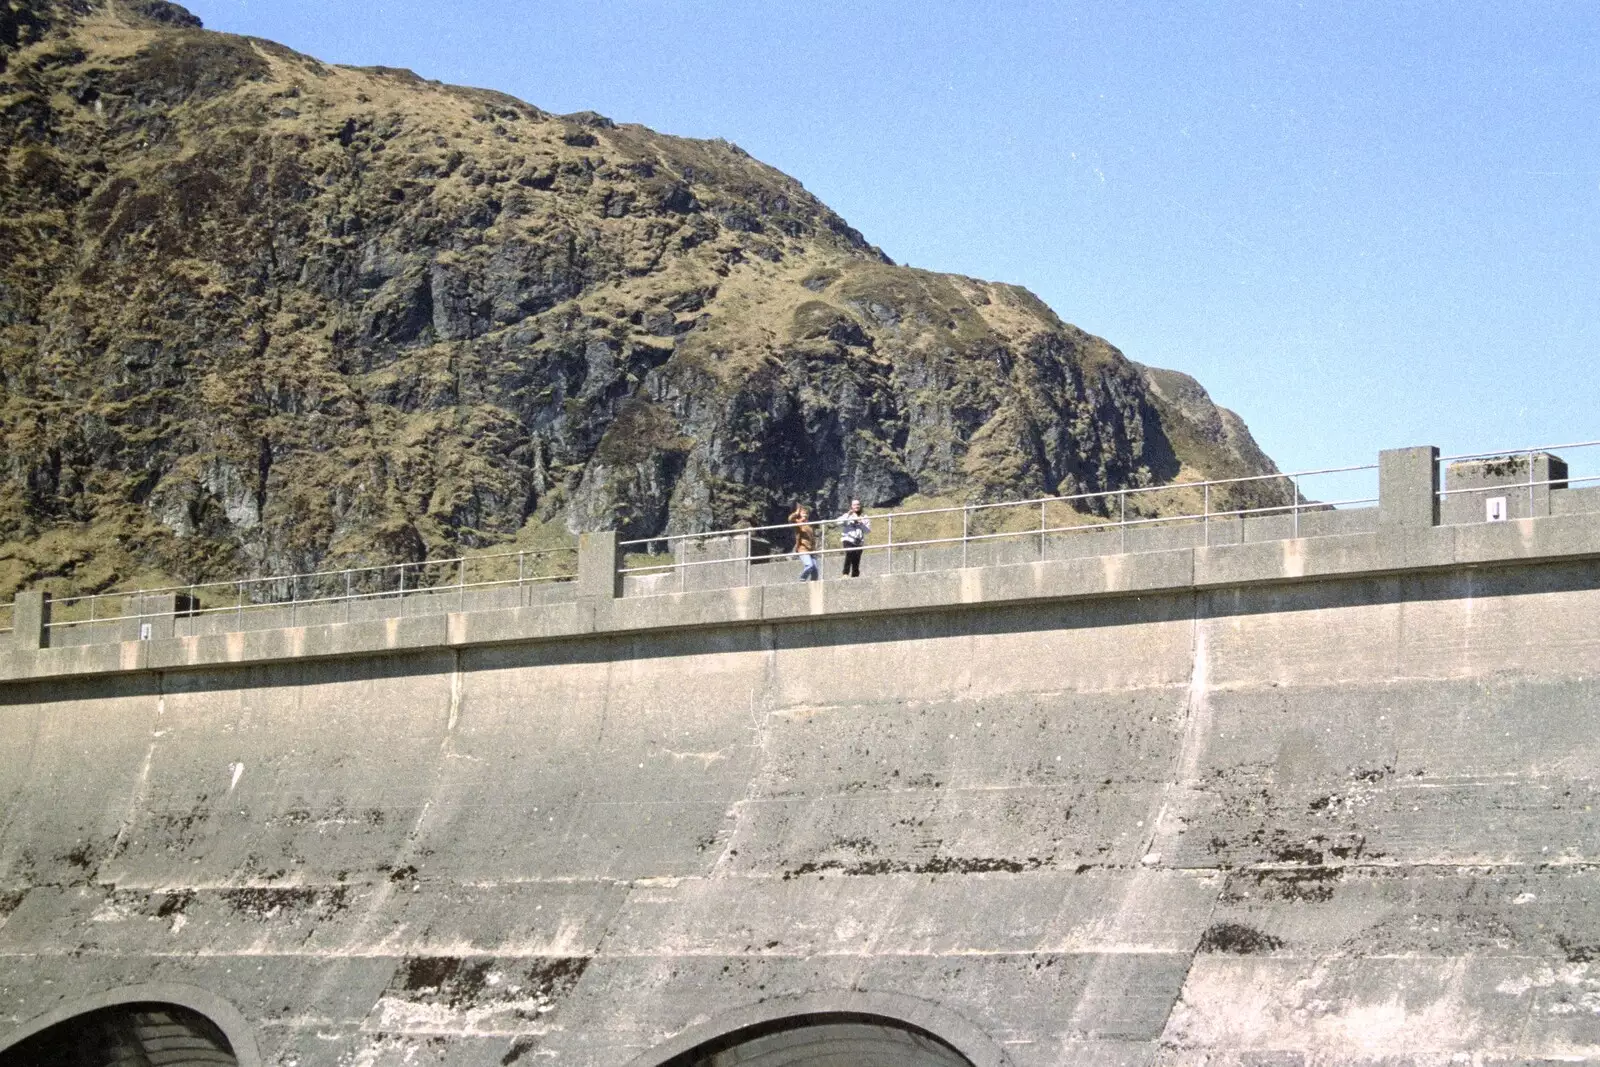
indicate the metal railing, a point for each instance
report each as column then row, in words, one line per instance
column 1519, row 459
column 439, row 580
column 1116, row 511
column 978, row 521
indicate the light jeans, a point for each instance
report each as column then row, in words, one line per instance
column 809, row 571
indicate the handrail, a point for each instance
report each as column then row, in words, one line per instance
column 1507, row 453
column 350, row 575
column 1099, row 527
column 1504, row 486
column 1293, row 480
column 1102, row 494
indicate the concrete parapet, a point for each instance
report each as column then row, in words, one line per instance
column 1408, row 486
column 1523, row 488
column 1575, row 501
column 1384, row 550
column 599, row 565
column 30, row 625
column 153, row 616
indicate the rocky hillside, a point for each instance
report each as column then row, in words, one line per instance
column 260, row 313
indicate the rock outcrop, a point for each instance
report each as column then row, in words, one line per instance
column 261, row 313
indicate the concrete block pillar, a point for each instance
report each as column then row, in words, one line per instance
column 1408, row 486
column 1551, row 471
column 154, row 615
column 30, row 620
column 600, row 565
column 1471, row 484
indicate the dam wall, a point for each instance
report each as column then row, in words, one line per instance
column 1321, row 800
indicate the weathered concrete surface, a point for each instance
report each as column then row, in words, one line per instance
column 1144, row 809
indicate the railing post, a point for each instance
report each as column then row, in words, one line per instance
column 461, row 586
column 599, row 565
column 1294, row 491
column 1205, row 515
column 1408, row 487
column 1122, row 521
column 891, row 542
column 965, row 515
column 1042, row 524
column 30, row 620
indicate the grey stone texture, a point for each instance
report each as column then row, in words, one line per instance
column 1323, row 800
column 1525, row 482
column 1408, row 486
column 30, row 620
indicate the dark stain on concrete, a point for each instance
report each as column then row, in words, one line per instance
column 174, row 903
column 81, row 857
column 1298, row 854
column 9, row 902
column 555, row 977
column 444, row 979
column 1280, row 846
column 1237, row 939
column 264, row 904
column 1314, row 886
column 519, row 1048
column 179, row 830
column 1575, row 952
column 936, row 865
column 463, row 982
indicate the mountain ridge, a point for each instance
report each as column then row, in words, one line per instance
column 263, row 313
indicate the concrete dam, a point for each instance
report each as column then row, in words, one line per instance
column 1257, row 790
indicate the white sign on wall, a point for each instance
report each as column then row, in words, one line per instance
column 1494, row 509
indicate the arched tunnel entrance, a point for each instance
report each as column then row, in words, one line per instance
column 126, row 1035
column 828, row 1040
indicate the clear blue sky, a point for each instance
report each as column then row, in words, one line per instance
column 1360, row 225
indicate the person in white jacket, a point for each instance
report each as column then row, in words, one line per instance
column 853, row 530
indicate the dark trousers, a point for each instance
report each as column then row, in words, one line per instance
column 852, row 563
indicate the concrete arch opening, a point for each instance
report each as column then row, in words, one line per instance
column 144, row 1034
column 825, row 1040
